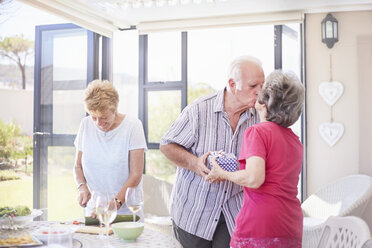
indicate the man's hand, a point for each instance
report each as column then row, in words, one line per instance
column 216, row 174
column 200, row 167
column 84, row 195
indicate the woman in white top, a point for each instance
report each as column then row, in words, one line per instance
column 109, row 147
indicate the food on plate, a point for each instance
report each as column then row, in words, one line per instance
column 18, row 240
column 14, row 211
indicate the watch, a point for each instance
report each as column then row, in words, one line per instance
column 118, row 201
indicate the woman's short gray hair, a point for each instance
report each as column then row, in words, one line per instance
column 283, row 94
column 235, row 71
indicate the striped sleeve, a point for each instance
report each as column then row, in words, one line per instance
column 183, row 130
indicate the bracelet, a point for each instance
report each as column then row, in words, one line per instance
column 118, row 201
column 79, row 185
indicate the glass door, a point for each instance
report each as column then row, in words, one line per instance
column 66, row 59
column 292, row 57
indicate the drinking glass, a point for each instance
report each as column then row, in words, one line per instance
column 59, row 237
column 134, row 200
column 91, row 210
column 106, row 210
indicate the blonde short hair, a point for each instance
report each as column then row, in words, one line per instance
column 101, row 96
column 283, row 94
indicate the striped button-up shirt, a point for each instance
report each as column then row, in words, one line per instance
column 201, row 127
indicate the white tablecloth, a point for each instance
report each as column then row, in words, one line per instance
column 150, row 237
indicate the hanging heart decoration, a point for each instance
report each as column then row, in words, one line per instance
column 331, row 132
column 331, row 91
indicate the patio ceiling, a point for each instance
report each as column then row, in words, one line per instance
column 106, row 16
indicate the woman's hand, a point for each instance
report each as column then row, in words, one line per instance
column 216, row 174
column 84, row 195
column 118, row 202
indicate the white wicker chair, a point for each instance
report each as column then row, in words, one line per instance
column 346, row 232
column 157, row 197
column 367, row 244
column 346, row 196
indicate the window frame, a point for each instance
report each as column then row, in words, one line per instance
column 43, row 136
column 146, row 86
column 279, row 30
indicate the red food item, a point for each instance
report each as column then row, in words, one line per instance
column 75, row 222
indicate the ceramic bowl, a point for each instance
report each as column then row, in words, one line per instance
column 128, row 231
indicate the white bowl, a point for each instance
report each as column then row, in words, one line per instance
column 43, row 232
column 21, row 220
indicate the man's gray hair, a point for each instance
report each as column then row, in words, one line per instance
column 283, row 94
column 235, row 68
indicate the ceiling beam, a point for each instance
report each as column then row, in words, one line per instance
column 79, row 14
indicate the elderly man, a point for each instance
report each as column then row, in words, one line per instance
column 203, row 214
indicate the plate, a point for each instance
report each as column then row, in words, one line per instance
column 24, row 240
column 76, row 243
column 21, row 220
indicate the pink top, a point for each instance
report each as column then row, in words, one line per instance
column 271, row 215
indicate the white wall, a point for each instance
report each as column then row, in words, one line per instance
column 18, row 106
column 352, row 66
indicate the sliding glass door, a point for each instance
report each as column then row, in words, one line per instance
column 66, row 59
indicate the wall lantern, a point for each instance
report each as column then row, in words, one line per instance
column 329, row 30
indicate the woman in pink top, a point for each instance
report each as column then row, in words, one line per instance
column 270, row 165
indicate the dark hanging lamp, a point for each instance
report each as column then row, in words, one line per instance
column 329, row 30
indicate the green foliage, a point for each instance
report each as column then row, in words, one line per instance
column 159, row 166
column 17, row 49
column 16, row 46
column 162, row 113
column 22, row 211
column 6, row 175
column 7, row 132
column 13, row 145
column 164, row 108
column 16, row 211
column 198, row 90
column 28, row 170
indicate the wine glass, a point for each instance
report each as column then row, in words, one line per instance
column 106, row 210
column 134, row 200
column 91, row 209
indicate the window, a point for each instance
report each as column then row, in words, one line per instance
column 162, row 93
column 209, row 53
